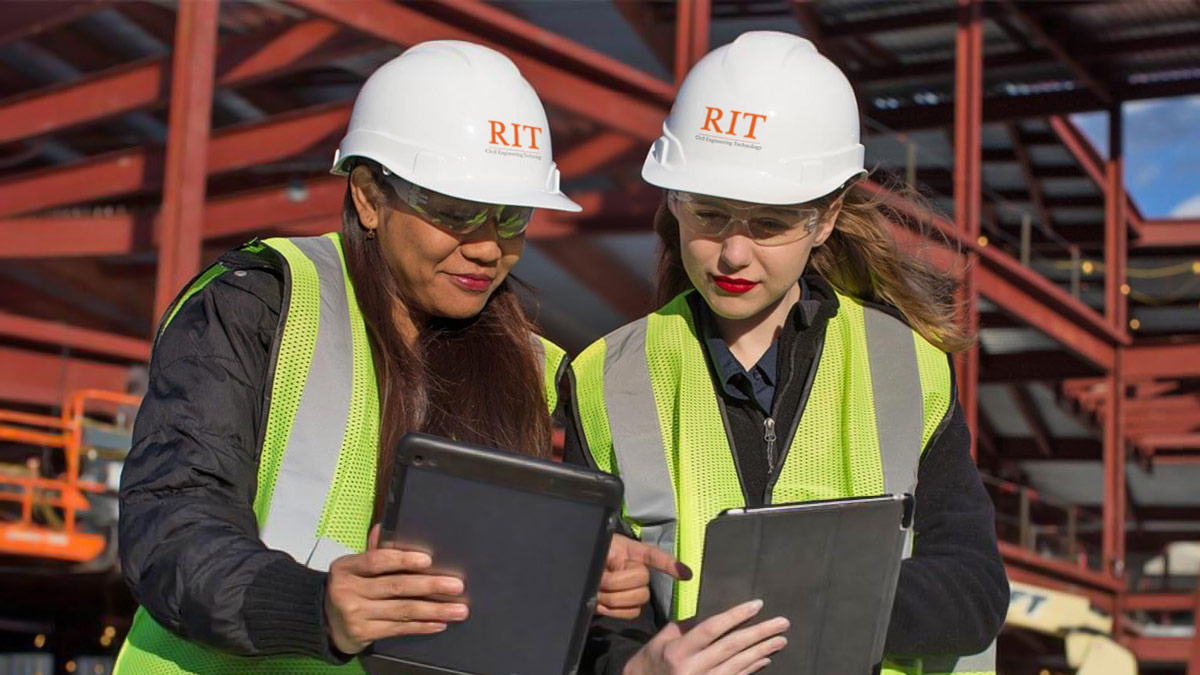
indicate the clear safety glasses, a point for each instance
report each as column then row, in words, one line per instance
column 460, row 217
column 766, row 224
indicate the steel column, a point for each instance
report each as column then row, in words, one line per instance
column 187, row 148
column 691, row 35
column 1115, row 309
column 968, row 154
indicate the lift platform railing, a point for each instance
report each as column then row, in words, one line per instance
column 46, row 523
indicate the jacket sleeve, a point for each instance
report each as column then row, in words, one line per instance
column 610, row 642
column 952, row 596
column 189, row 542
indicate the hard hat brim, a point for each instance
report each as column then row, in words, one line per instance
column 731, row 182
column 474, row 190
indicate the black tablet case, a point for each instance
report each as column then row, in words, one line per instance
column 528, row 536
column 829, row 567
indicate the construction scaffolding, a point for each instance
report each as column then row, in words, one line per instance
column 138, row 140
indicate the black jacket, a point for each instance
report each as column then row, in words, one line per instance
column 189, row 542
column 952, row 596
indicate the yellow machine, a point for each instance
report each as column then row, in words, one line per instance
column 1087, row 634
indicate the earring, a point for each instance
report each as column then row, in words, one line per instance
column 370, row 234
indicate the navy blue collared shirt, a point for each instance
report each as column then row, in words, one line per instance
column 756, row 384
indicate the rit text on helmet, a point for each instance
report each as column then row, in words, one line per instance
column 735, row 121
column 503, row 133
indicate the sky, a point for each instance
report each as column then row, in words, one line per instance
column 1162, row 153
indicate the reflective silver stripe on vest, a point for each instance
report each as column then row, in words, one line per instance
column 638, row 445
column 311, row 456
column 899, row 420
column 983, row 662
column 899, row 402
column 637, row 438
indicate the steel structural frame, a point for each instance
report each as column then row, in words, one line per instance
column 576, row 79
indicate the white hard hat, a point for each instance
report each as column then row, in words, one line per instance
column 765, row 119
column 457, row 118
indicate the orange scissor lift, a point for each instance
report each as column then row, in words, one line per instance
column 59, row 503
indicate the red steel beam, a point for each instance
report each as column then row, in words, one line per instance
column 187, row 149
column 1160, row 602
column 1169, row 234
column 144, row 83
column 1029, row 567
column 1158, row 649
column 243, row 214
column 1048, row 317
column 44, row 379
column 62, row 237
column 127, row 171
column 1178, row 441
column 77, row 339
column 404, row 26
column 968, row 152
column 1163, row 360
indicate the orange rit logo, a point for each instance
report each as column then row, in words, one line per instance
column 501, row 134
column 748, row 122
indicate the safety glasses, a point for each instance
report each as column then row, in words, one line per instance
column 766, row 224
column 460, row 217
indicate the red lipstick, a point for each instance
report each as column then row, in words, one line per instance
column 734, row 284
column 475, row 283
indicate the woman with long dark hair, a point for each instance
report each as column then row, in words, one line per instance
column 283, row 376
column 798, row 354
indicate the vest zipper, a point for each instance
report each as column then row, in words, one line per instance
column 770, row 438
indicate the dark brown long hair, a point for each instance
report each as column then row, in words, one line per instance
column 476, row 380
column 862, row 259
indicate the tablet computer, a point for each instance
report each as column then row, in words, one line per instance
column 529, row 538
column 830, row 567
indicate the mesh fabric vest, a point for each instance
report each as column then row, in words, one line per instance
column 323, row 394
column 648, row 411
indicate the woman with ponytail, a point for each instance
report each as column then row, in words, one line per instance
column 798, row 354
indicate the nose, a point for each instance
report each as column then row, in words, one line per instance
column 737, row 249
column 483, row 245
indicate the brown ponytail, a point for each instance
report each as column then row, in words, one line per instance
column 862, row 259
column 477, row 380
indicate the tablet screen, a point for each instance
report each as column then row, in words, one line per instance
column 525, row 559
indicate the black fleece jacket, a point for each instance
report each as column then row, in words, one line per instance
column 952, row 596
column 189, row 542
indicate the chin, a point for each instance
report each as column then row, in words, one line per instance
column 463, row 307
column 733, row 307
column 460, row 312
